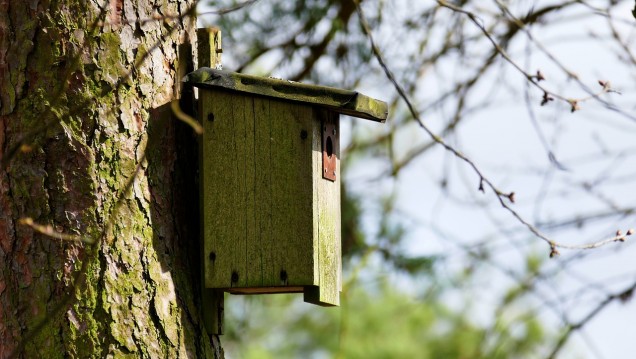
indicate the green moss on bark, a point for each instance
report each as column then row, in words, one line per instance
column 132, row 298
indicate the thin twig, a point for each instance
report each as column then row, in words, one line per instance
column 572, row 328
column 534, row 79
column 501, row 196
column 573, row 102
column 48, row 231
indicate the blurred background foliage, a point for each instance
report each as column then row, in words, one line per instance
column 382, row 322
column 433, row 267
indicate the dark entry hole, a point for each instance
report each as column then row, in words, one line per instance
column 329, row 146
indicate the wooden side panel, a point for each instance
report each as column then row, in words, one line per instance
column 327, row 231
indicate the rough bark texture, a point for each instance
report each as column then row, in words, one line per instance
column 81, row 130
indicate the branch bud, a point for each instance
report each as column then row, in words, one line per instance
column 553, row 251
column 539, row 76
column 574, row 105
column 606, row 85
column 546, row 98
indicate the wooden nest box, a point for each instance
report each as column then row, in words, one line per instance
column 270, row 182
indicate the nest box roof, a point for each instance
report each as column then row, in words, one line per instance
column 346, row 102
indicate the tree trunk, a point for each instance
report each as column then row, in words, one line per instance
column 90, row 150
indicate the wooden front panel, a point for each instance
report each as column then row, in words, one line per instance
column 257, row 191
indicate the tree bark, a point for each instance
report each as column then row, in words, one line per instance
column 90, row 149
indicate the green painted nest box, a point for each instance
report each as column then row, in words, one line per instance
column 270, row 182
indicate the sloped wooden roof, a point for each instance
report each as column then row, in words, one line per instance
column 347, row 102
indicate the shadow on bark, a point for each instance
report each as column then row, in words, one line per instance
column 172, row 155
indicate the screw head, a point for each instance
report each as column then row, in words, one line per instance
column 211, row 117
column 235, row 277
column 212, row 256
column 303, row 134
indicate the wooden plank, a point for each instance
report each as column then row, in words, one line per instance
column 209, row 47
column 219, row 193
column 302, row 237
column 213, row 310
column 253, row 273
column 263, row 192
column 282, row 180
column 237, row 154
column 266, row 290
column 326, row 205
column 212, row 300
column 279, row 176
column 291, row 193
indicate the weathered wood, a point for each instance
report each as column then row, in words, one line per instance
column 213, row 310
column 263, row 194
column 272, row 220
column 209, row 47
column 214, row 217
column 265, row 290
column 291, row 191
column 219, row 194
column 341, row 101
column 326, row 227
column 249, row 244
column 263, row 200
column 209, row 51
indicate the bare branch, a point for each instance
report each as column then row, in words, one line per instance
column 572, row 328
column 534, row 79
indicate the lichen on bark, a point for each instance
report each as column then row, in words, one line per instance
column 85, row 109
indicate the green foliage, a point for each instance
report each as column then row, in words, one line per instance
column 352, row 236
column 383, row 322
